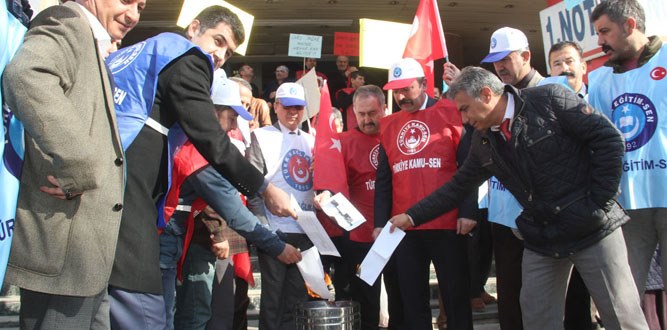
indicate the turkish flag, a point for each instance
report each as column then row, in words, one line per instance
column 427, row 40
column 329, row 169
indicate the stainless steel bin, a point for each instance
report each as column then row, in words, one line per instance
column 325, row 315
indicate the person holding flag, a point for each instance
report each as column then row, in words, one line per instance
column 419, row 151
column 356, row 154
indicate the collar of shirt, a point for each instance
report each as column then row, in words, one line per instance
column 99, row 32
column 287, row 131
column 424, row 104
column 509, row 112
column 583, row 91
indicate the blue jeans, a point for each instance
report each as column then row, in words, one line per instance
column 201, row 294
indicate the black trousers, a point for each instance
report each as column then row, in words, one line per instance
column 448, row 252
column 508, row 251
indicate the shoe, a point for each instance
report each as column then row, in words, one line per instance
column 488, row 299
column 477, row 305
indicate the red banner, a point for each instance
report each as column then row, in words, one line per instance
column 346, row 43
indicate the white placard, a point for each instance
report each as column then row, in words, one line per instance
column 304, row 45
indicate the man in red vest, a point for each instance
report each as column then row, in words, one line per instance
column 418, row 153
column 360, row 147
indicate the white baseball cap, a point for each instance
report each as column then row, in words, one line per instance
column 403, row 73
column 504, row 41
column 226, row 92
column 291, row 94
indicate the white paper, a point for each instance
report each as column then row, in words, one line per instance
column 313, row 228
column 346, row 215
column 312, row 271
column 379, row 254
column 308, row 221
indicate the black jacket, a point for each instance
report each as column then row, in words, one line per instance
column 563, row 164
column 183, row 97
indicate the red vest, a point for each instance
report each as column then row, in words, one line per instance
column 187, row 161
column 360, row 154
column 421, row 149
column 350, row 118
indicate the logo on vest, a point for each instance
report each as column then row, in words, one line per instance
column 413, row 137
column 296, row 170
column 125, row 57
column 636, row 118
column 373, row 156
column 658, row 73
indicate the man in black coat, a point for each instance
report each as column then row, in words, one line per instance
column 182, row 97
column 562, row 161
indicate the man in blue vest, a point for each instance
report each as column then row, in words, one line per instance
column 162, row 95
column 630, row 90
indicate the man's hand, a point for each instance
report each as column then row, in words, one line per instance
column 220, row 249
column 55, row 191
column 465, row 226
column 400, row 221
column 450, row 72
column 376, row 232
column 321, row 198
column 278, row 202
column 290, row 255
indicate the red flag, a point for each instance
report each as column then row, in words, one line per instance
column 427, row 40
column 329, row 169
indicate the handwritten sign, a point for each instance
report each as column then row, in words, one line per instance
column 303, row 45
column 346, row 43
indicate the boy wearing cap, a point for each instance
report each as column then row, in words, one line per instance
column 283, row 153
column 418, row 153
column 194, row 184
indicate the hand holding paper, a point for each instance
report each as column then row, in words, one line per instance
column 379, row 254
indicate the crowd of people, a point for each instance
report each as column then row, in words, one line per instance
column 148, row 171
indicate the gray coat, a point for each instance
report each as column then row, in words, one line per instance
column 58, row 87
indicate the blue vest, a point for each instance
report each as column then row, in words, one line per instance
column 636, row 102
column 135, row 71
column 11, row 151
column 503, row 207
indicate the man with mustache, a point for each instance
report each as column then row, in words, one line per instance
column 630, row 90
column 71, row 189
column 284, row 154
column 418, row 152
column 360, row 148
column 566, row 58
